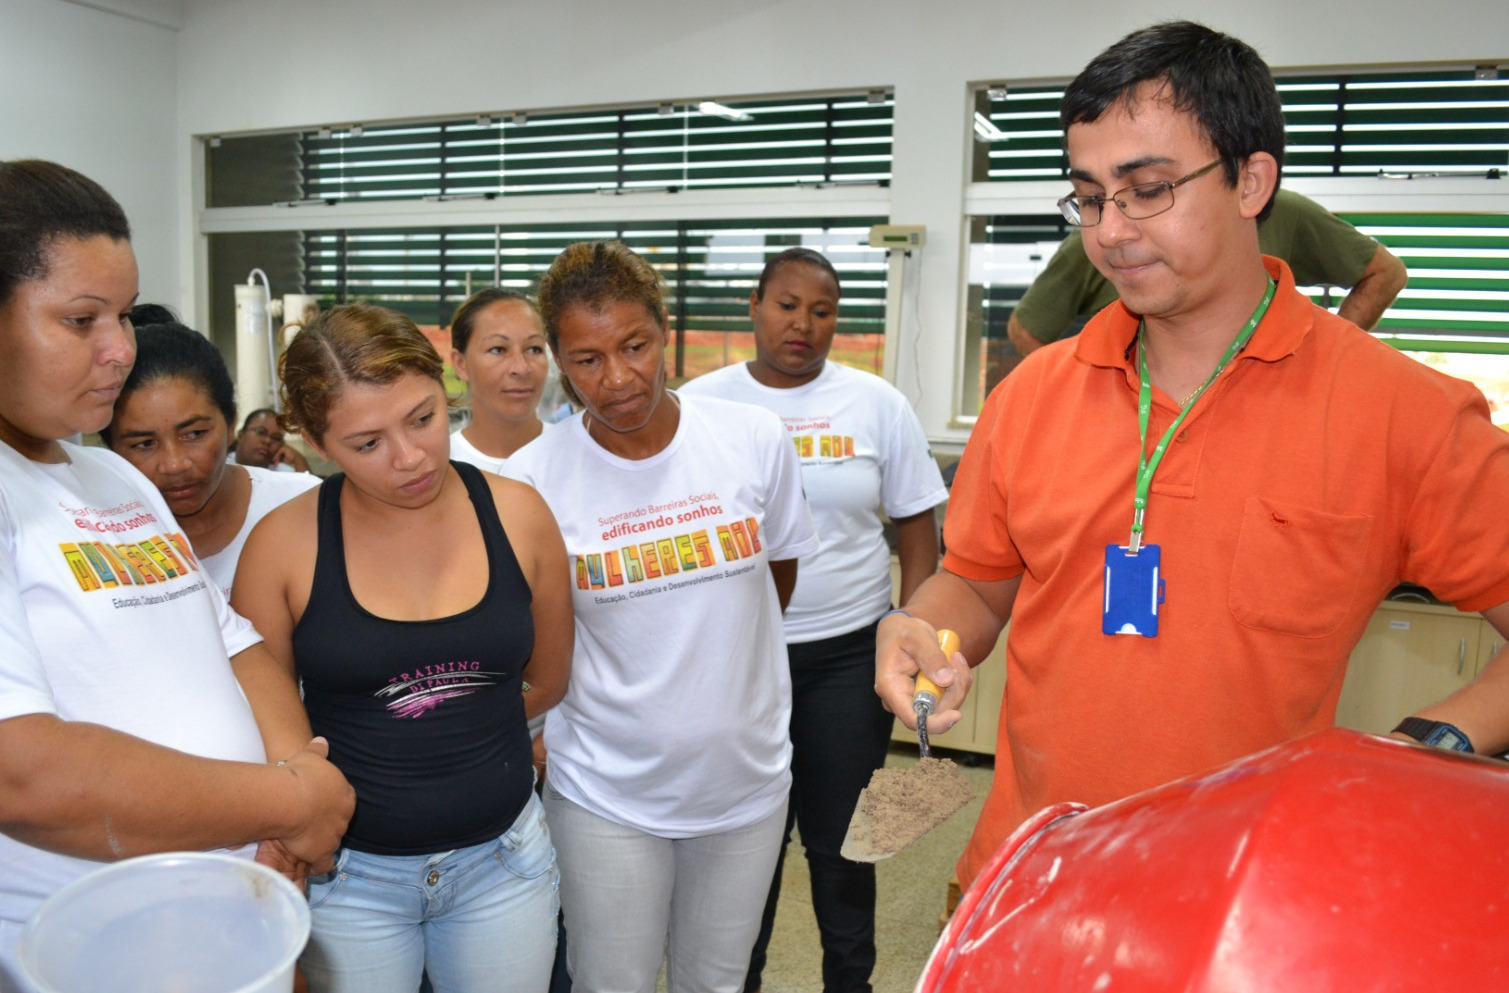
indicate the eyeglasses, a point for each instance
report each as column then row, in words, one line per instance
column 1137, row 203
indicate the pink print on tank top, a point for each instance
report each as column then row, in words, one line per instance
column 416, row 693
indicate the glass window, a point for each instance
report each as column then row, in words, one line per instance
column 1378, row 137
column 710, row 268
column 1005, row 255
column 753, row 143
column 1370, row 123
column 419, row 260
column 1457, row 299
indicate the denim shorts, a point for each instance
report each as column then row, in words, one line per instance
column 474, row 918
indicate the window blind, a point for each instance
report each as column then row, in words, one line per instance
column 758, row 143
column 1418, row 124
column 1457, row 299
column 709, row 267
column 1458, row 279
column 1357, row 124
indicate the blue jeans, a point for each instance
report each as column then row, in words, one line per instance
column 478, row 918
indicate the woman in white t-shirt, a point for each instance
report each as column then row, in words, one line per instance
column 260, row 444
column 498, row 350
column 173, row 421
column 669, row 756
column 864, row 458
column 122, row 728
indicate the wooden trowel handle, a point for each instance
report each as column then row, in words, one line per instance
column 949, row 642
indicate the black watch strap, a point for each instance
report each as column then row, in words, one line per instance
column 1438, row 734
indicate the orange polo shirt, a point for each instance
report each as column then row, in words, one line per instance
column 1319, row 471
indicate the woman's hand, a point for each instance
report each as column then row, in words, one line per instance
column 289, row 456
column 328, row 802
column 538, row 746
column 276, row 856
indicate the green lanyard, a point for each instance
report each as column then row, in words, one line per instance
column 1147, row 466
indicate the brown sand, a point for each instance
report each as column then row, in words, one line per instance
column 904, row 804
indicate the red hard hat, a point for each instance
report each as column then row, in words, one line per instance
column 1337, row 862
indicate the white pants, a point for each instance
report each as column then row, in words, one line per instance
column 632, row 899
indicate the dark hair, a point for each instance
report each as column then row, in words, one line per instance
column 466, row 314
column 259, row 412
column 357, row 343
column 144, row 314
column 594, row 274
column 41, row 202
column 1220, row 80
column 173, row 351
column 805, row 256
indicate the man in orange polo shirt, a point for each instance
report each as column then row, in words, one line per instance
column 1190, row 511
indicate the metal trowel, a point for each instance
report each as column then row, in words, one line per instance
column 901, row 805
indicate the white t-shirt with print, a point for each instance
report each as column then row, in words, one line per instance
column 106, row 617
column 269, row 491
column 863, row 452
column 675, row 720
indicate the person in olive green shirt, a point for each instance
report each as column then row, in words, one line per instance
column 1321, row 249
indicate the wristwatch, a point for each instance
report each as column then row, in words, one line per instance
column 1437, row 734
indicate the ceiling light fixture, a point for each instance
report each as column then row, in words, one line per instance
column 985, row 130
column 715, row 109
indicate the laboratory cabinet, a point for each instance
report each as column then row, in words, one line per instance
column 1411, row 655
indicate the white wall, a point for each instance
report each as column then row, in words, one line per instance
column 97, row 91
column 278, row 64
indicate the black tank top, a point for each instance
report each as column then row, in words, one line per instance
column 425, row 718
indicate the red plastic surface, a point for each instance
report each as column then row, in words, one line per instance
column 1338, row 862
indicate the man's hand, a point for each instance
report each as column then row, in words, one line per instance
column 1374, row 290
column 328, row 801
column 905, row 646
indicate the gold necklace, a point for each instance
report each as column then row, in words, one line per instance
column 587, row 414
column 1185, row 402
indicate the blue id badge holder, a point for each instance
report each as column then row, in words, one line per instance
column 1134, row 590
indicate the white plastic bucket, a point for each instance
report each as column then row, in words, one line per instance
column 185, row 922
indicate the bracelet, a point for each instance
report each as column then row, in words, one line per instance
column 281, row 763
column 895, row 610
